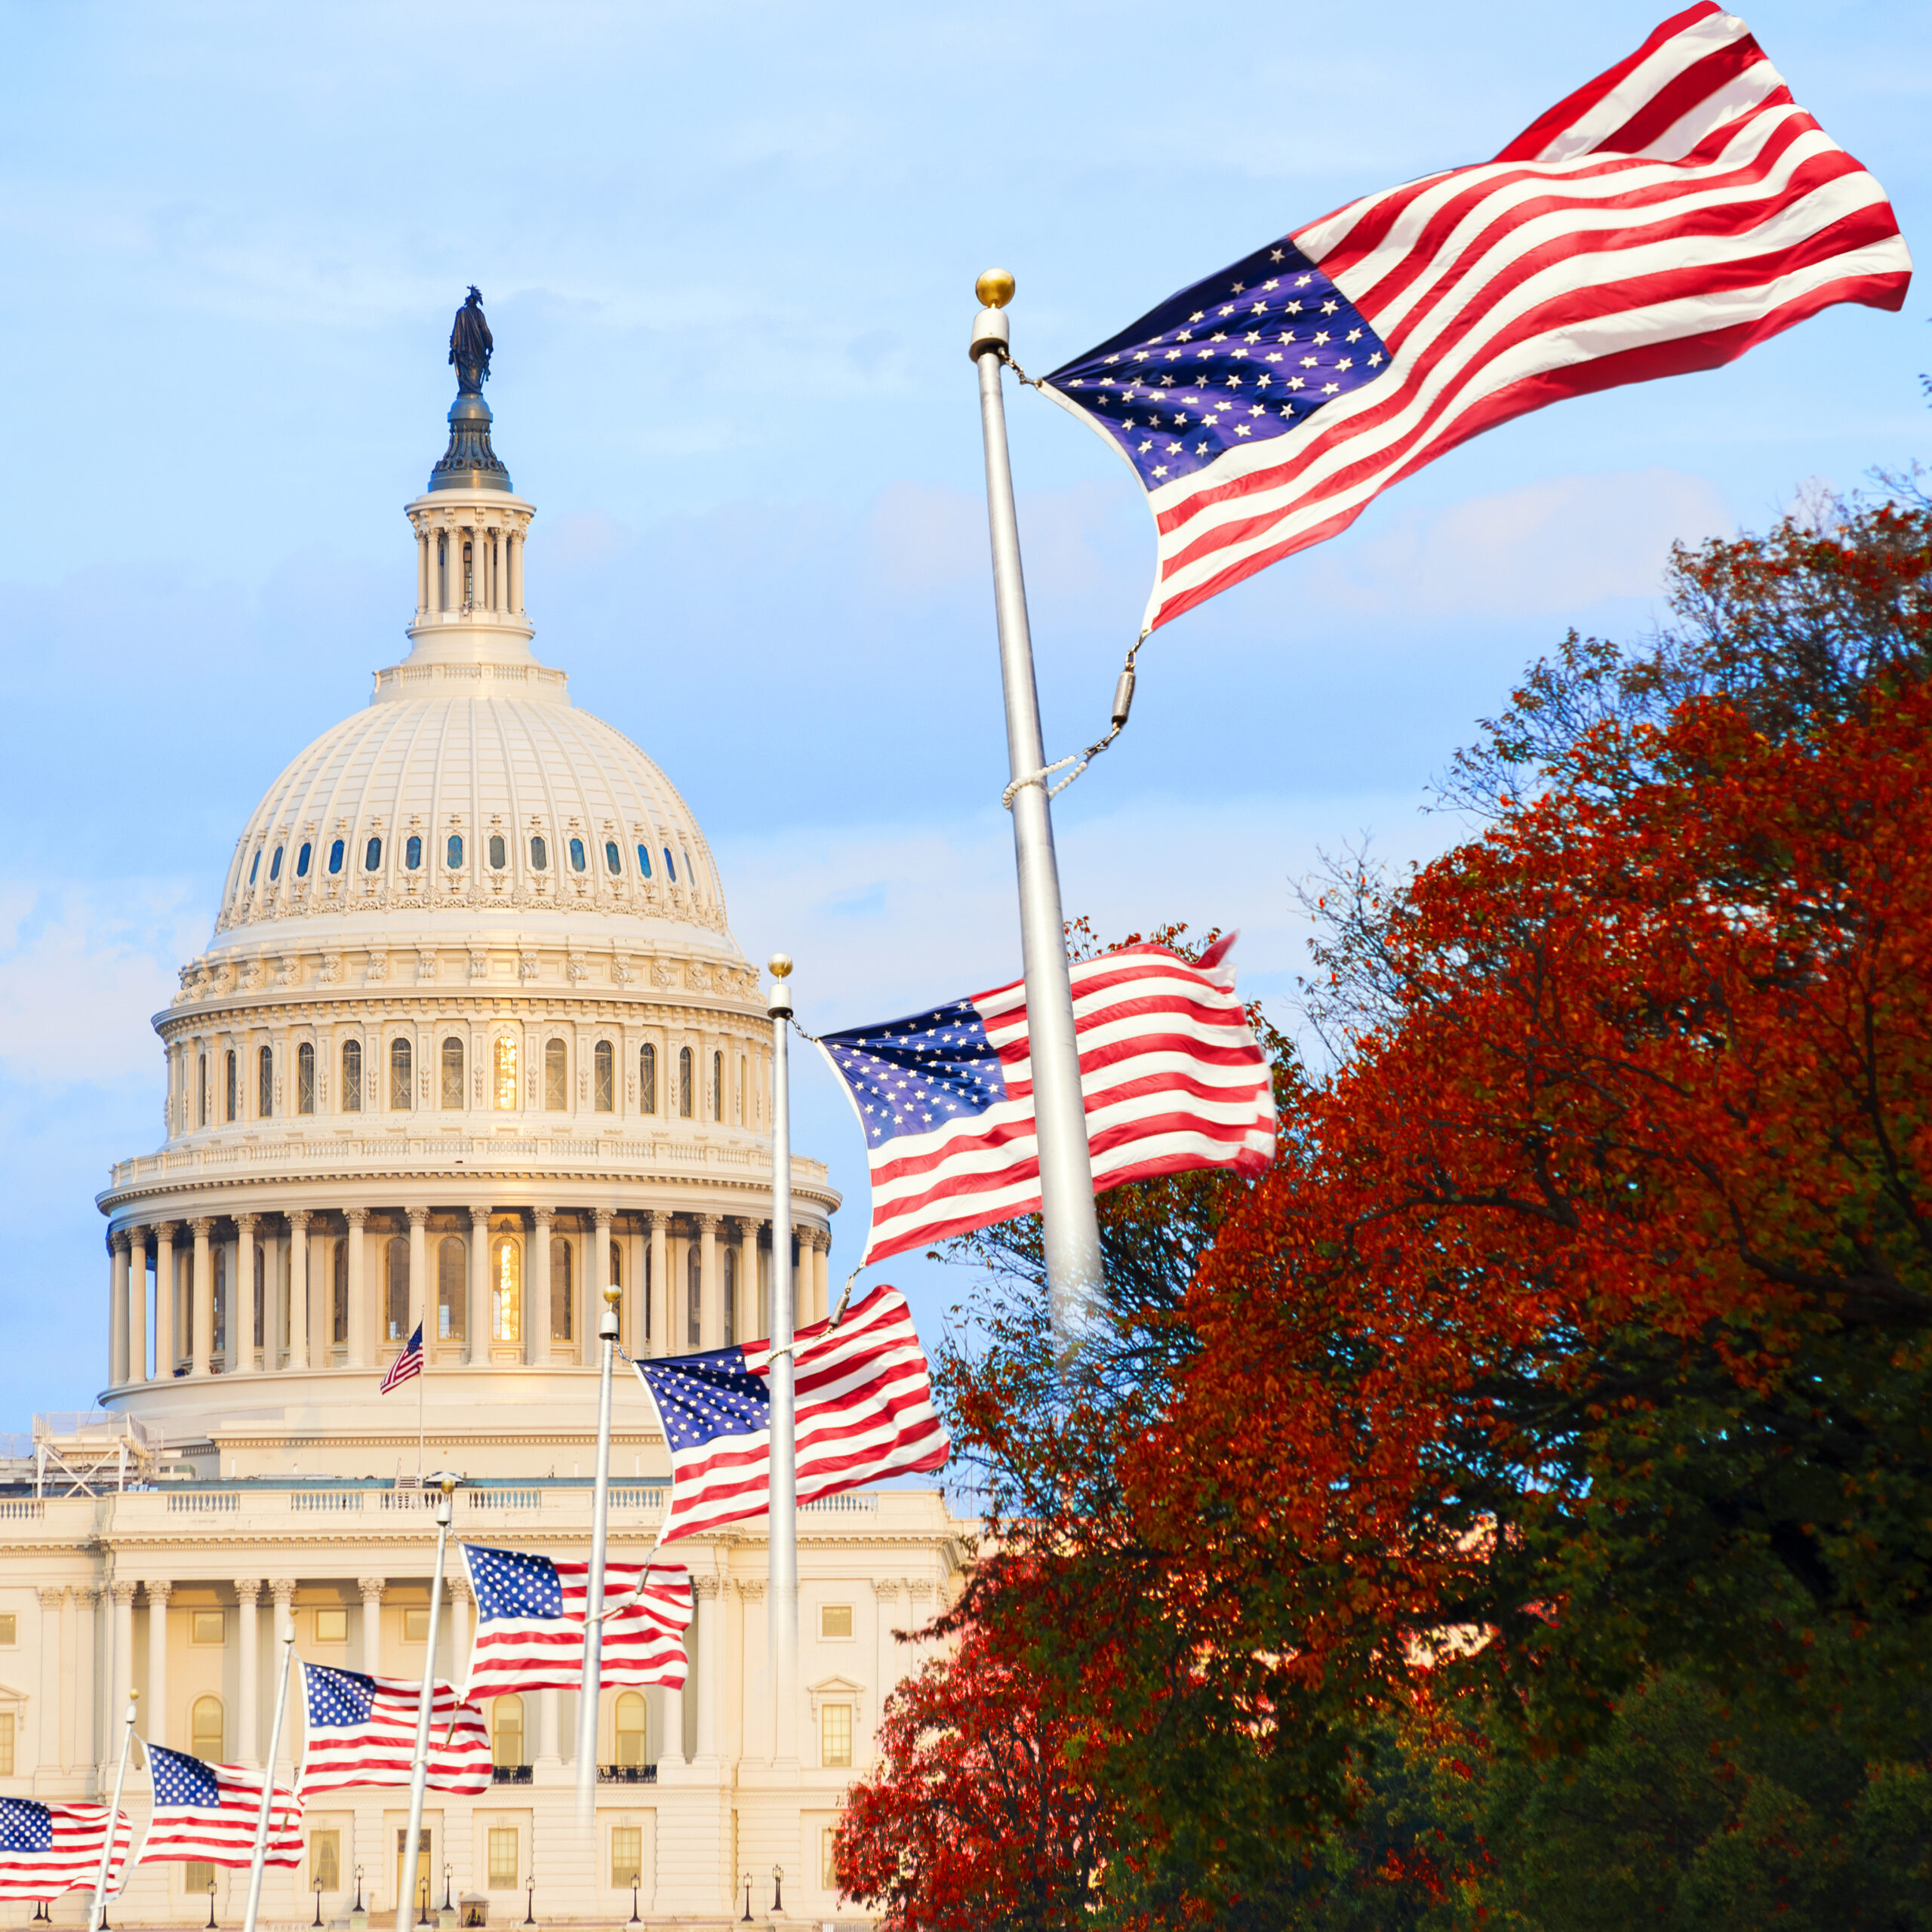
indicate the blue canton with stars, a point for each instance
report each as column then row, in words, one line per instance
column 339, row 1696
column 25, row 1826
column 909, row 1076
column 705, row 1396
column 509, row 1583
column 1252, row 352
column 181, row 1780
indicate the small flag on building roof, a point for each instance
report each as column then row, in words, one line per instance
column 407, row 1366
column 1668, row 215
column 210, row 1812
column 1169, row 1065
column 46, row 1849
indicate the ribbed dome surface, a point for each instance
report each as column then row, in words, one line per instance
column 499, row 807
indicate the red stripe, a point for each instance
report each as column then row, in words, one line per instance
column 1681, row 93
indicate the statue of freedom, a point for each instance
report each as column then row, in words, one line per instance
column 470, row 344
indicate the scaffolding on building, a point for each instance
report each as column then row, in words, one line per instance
column 94, row 1452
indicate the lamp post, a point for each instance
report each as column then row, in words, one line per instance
column 634, row 1919
column 317, row 1888
column 210, row 1902
column 422, row 1892
column 747, row 1919
column 777, row 1889
column 530, row 1900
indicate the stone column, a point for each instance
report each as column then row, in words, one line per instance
column 154, row 1717
column 200, row 1348
column 121, row 1652
column 754, row 1644
column 248, row 1670
column 476, row 1316
column 371, row 1588
column 419, row 1274
column 137, row 1316
column 710, row 1669
column 590, row 1303
column 163, row 1301
column 924, row 1609
column 87, row 1718
column 298, row 1288
column 283, row 1589
column 801, row 1277
column 50, row 1700
column 71, row 1732
column 463, row 1623
column 425, row 565
column 242, row 1299
column 321, row 1298
column 537, row 1342
column 358, row 1219
column 117, row 1309
column 750, row 1319
column 662, row 1340
column 821, row 1259
column 711, row 1296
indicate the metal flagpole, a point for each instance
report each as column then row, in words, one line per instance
column 783, row 1519
column 600, row 1531
column 419, row 1770
column 99, row 1911
column 259, row 1862
column 1066, row 1168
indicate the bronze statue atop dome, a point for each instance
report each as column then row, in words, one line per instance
column 470, row 344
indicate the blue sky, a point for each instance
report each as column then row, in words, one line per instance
column 728, row 257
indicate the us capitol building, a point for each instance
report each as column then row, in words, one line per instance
column 471, row 1040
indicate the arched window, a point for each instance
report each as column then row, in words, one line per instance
column 556, row 1075
column 275, row 867
column 397, row 1257
column 693, row 1294
column 647, row 1080
column 506, row 1290
column 234, row 1076
column 643, row 860
column 339, row 1299
column 221, row 1300
column 453, row 851
column 352, row 1076
column 670, row 869
column 684, row 1082
column 604, row 1079
column 265, row 1082
column 506, row 1730
column 499, row 852
column 207, row 1731
column 400, row 1095
column 578, row 862
column 305, row 1078
column 336, row 856
column 412, row 853
column 452, row 1286
column 613, row 864
column 372, row 855
column 539, row 854
column 562, row 1300
column 201, row 1090
column 630, row 1727
column 452, row 1071
column 302, row 859
column 261, row 1318
column 738, row 1097
column 717, row 1087
column 506, row 1074
column 731, row 1296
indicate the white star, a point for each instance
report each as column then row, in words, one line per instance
column 1355, row 335
column 1275, row 255
column 1160, row 469
column 1375, row 361
column 1346, row 362
column 1241, row 430
column 1329, row 389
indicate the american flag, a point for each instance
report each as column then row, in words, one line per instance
column 48, row 1849
column 530, row 1622
column 407, row 1366
column 865, row 1410
column 1676, row 211
column 210, row 1811
column 362, row 1731
column 1168, row 1063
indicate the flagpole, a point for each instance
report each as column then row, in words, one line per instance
column 419, row 1770
column 99, row 1911
column 1060, row 1108
column 259, row 1862
column 600, row 1534
column 783, row 1519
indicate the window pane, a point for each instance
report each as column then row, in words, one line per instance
column 207, row 1626
column 693, row 1291
column 578, row 862
column 6, row 1744
column 352, row 1076
column 339, row 1324
column 556, row 1076
column 684, row 1082
column 630, row 1730
column 453, row 851
column 198, row 1874
column 205, row 1724
column 613, row 864
column 643, row 860
column 828, row 1875
column 233, row 1081
column 265, row 1082
column 399, row 1277
column 399, row 1074
column 506, row 1291
column 305, row 1079
column 302, row 859
column 502, row 1858
column 255, row 864
column 670, row 869
column 202, row 1091
column 539, row 855
column 452, row 1073
column 412, row 852
column 717, row 1087
column 325, row 1861
column 626, row 1853
column 647, row 1080
column 10, row 1630
column 835, row 1736
column 452, row 1286
column 415, row 1626
column 731, row 1296
column 331, row 1626
column 499, row 852
column 505, row 1078
column 372, row 855
column 604, row 1096
column 562, row 1300
column 834, row 1619
column 336, row 857
column 275, row 865
column 506, row 1730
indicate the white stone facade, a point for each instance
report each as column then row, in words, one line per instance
column 472, row 1040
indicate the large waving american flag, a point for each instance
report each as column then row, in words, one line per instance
column 48, row 1849
column 1168, row 1063
column 210, row 1812
column 362, row 1731
column 1676, row 211
column 530, row 1622
column 865, row 1412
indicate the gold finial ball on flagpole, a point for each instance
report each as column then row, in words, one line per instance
column 781, row 965
column 994, row 288
column 613, row 1294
